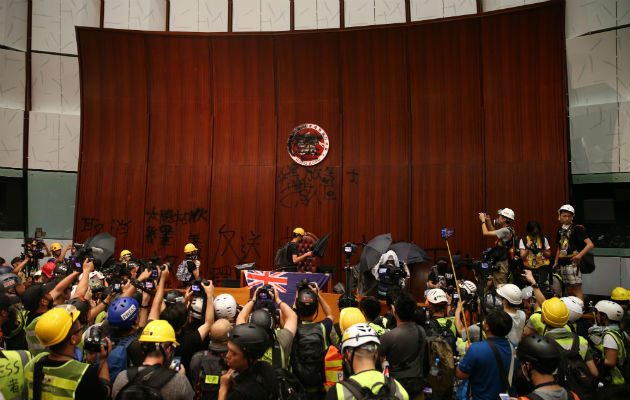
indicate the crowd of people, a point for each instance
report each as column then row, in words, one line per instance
column 83, row 330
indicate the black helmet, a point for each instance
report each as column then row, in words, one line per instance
column 306, row 303
column 8, row 281
column 173, row 296
column 251, row 339
column 262, row 318
column 347, row 301
column 82, row 305
column 541, row 351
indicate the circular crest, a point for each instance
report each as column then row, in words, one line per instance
column 308, row 144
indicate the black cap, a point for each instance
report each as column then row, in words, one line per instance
column 33, row 294
column 7, row 301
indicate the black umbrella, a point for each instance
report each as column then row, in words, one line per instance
column 319, row 247
column 102, row 245
column 373, row 250
column 409, row 252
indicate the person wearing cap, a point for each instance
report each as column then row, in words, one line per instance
column 360, row 352
column 511, row 297
column 613, row 350
column 293, row 249
column 572, row 243
column 404, row 347
column 158, row 347
column 441, row 275
column 56, row 373
column 555, row 316
column 504, row 243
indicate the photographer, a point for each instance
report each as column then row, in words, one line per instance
column 441, row 275
column 58, row 252
column 188, row 269
column 503, row 251
column 535, row 252
column 469, row 302
column 389, row 272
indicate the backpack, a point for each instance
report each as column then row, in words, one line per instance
column 205, row 372
column 573, row 373
column 117, row 359
column 282, row 257
column 140, row 387
column 440, row 352
column 289, row 386
column 533, row 396
column 308, row 353
column 184, row 270
column 386, row 392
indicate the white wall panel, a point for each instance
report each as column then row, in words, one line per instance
column 77, row 13
column 594, row 139
column 13, row 23
column 459, row 7
column 246, row 15
column 12, row 79
column 358, row 12
column 43, row 132
column 328, row 16
column 147, row 15
column 213, row 15
column 623, row 64
column 583, row 16
column 606, row 277
column 426, row 9
column 623, row 12
column 69, row 138
column 625, row 272
column 46, row 25
column 624, row 136
column 275, row 15
column 55, row 84
column 70, row 86
column 10, row 248
column 305, row 14
column 11, row 138
column 184, row 16
column 389, row 11
column 491, row 5
column 116, row 14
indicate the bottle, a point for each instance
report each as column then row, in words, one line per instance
column 434, row 371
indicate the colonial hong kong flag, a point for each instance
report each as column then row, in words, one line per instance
column 284, row 282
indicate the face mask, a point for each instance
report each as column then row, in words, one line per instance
column 565, row 227
column 496, row 221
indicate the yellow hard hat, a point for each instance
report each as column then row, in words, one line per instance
column 55, row 246
column 299, row 231
column 555, row 313
column 54, row 325
column 620, row 293
column 124, row 253
column 350, row 316
column 158, row 331
column 189, row 248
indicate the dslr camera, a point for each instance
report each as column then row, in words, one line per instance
column 264, row 293
column 93, row 340
column 197, row 289
column 349, row 248
column 303, row 285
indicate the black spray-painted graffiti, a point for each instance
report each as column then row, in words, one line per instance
column 299, row 185
column 242, row 247
column 117, row 227
column 354, row 174
column 161, row 225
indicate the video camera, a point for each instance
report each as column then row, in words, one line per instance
column 349, row 248
column 303, row 285
column 484, row 267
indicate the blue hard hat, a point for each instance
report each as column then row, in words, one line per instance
column 123, row 312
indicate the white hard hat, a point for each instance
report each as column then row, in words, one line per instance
column 511, row 293
column 527, row 292
column 225, row 306
column 196, row 307
column 435, row 296
column 358, row 335
column 507, row 213
column 468, row 286
column 613, row 311
column 575, row 306
column 567, row 207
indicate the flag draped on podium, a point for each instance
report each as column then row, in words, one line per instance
column 284, row 282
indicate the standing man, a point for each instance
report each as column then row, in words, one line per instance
column 188, row 270
column 504, row 244
column 573, row 244
column 293, row 251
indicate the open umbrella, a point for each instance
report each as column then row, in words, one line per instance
column 319, row 247
column 409, row 252
column 102, row 245
column 373, row 250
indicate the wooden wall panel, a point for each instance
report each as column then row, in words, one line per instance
column 308, row 91
column 525, row 114
column 176, row 209
column 113, row 158
column 447, row 147
column 375, row 134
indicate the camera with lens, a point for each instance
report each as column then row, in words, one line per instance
column 303, row 285
column 158, row 264
column 534, row 248
column 349, row 248
column 197, row 288
column 94, row 340
column 484, row 267
column 264, row 293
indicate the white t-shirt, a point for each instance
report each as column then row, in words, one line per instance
column 609, row 342
column 518, row 323
column 521, row 244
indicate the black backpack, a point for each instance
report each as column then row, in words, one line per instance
column 141, row 387
column 282, row 257
column 435, row 329
column 290, row 387
column 206, row 368
column 308, row 353
column 573, row 373
column 386, row 392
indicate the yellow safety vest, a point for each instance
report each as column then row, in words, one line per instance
column 443, row 321
column 371, row 379
column 615, row 376
column 59, row 383
column 378, row 329
column 535, row 261
column 34, row 345
column 536, row 319
column 12, row 363
column 565, row 236
column 564, row 337
column 268, row 356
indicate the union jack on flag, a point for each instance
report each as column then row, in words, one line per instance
column 284, row 282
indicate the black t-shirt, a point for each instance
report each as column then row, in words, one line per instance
column 400, row 346
column 189, row 343
column 576, row 237
column 291, row 250
column 259, row 382
column 90, row 386
column 446, row 272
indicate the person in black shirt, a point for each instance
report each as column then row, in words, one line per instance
column 292, row 250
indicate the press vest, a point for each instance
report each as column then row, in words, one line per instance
column 538, row 260
column 333, row 367
column 59, row 383
column 370, row 379
column 509, row 242
column 536, row 319
column 34, row 345
column 269, row 355
column 614, row 374
column 565, row 339
column 377, row 328
column 566, row 250
column 12, row 373
column 443, row 321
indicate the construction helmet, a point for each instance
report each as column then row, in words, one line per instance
column 620, row 294
column 158, row 331
column 55, row 246
column 507, row 213
column 436, row 296
column 251, row 339
column 527, row 292
column 298, row 231
column 540, row 351
column 189, row 248
column 613, row 311
column 350, row 316
column 568, row 208
column 124, row 253
column 53, row 327
column 468, row 286
column 555, row 313
column 575, row 306
column 511, row 293
column 225, row 306
column 122, row 313
column 358, row 335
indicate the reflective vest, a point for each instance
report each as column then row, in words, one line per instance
column 378, row 329
column 333, row 367
column 370, row 379
column 614, row 374
column 509, row 243
column 12, row 363
column 536, row 319
column 565, row 246
column 538, row 260
column 34, row 345
column 59, row 382
column 443, row 321
column 271, row 353
column 564, row 338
